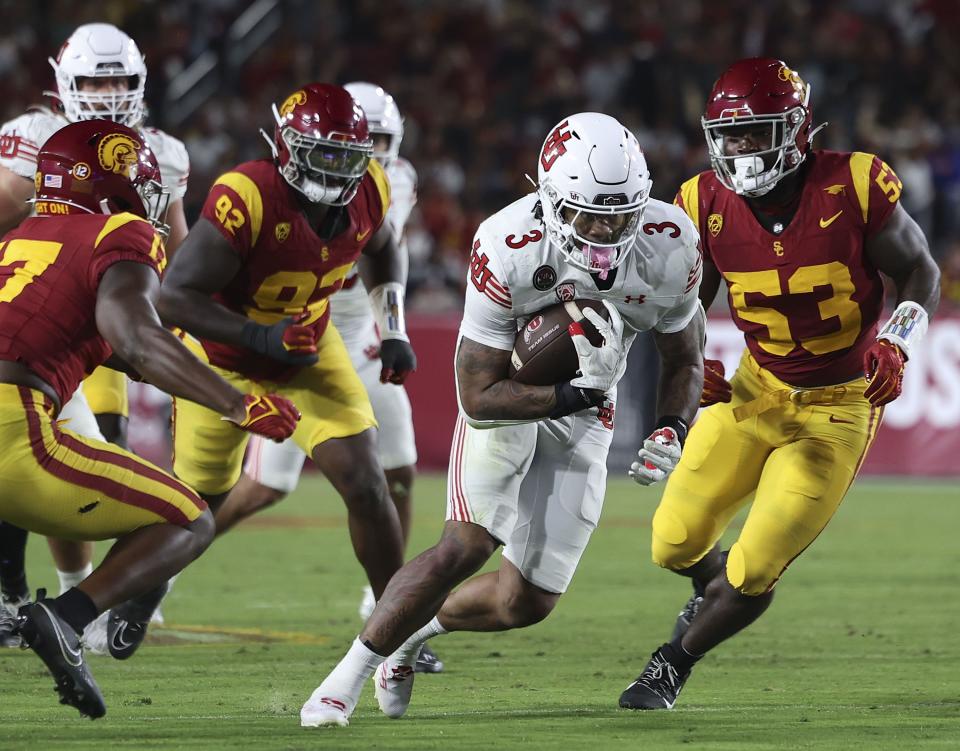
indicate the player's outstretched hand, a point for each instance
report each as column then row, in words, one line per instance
column 716, row 388
column 272, row 416
column 658, row 457
column 288, row 341
column 397, row 360
column 883, row 369
column 600, row 367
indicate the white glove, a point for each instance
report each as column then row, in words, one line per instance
column 600, row 367
column 658, row 457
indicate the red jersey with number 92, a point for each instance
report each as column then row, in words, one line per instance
column 287, row 269
column 807, row 299
column 50, row 268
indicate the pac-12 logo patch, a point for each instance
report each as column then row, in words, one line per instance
column 282, row 231
column 566, row 292
column 544, row 278
column 715, row 224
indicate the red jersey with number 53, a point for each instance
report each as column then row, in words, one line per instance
column 807, row 299
column 287, row 269
column 50, row 268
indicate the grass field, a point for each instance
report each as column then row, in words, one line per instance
column 860, row 650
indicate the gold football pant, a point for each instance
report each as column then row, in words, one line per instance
column 106, row 392
column 208, row 451
column 797, row 450
column 55, row 482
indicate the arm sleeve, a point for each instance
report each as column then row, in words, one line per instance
column 488, row 317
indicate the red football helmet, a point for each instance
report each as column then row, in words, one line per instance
column 321, row 143
column 759, row 91
column 101, row 167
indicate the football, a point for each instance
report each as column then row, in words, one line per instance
column 543, row 352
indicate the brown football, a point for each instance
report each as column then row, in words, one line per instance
column 543, row 352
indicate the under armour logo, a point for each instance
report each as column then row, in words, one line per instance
column 638, row 299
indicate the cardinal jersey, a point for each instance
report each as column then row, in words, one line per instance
column 807, row 299
column 50, row 267
column 515, row 271
column 287, row 269
column 22, row 138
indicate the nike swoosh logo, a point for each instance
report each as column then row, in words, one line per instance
column 362, row 235
column 838, row 420
column 73, row 656
column 118, row 641
column 824, row 223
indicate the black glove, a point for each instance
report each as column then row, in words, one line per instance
column 398, row 361
column 287, row 341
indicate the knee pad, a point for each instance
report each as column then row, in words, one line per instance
column 672, row 546
column 751, row 573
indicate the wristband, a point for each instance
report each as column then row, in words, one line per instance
column 906, row 326
column 570, row 399
column 255, row 336
column 677, row 424
column 387, row 303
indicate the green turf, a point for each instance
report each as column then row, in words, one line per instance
column 860, row 650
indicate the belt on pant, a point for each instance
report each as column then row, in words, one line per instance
column 799, row 397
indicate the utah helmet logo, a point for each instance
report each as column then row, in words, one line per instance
column 297, row 97
column 715, row 224
column 117, row 153
column 282, row 231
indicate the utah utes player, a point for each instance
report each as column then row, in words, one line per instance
column 271, row 470
column 799, row 236
column 100, row 73
column 253, row 282
column 77, row 284
column 528, row 463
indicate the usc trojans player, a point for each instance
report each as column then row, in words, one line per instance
column 253, row 281
column 801, row 237
column 77, row 284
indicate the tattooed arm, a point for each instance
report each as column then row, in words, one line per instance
column 488, row 396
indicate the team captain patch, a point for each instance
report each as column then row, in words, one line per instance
column 544, row 278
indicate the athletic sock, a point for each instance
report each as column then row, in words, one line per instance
column 357, row 666
column 70, row 579
column 76, row 608
column 408, row 652
column 13, row 573
column 678, row 656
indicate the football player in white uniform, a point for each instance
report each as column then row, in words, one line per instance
column 272, row 470
column 100, row 73
column 528, row 463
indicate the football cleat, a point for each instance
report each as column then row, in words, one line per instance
column 686, row 616
column 9, row 606
column 94, row 636
column 394, row 687
column 428, row 662
column 127, row 624
column 56, row 643
column 325, row 708
column 657, row 687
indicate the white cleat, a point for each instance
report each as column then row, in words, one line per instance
column 94, row 637
column 324, row 709
column 394, row 687
column 367, row 604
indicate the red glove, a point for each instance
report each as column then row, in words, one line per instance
column 716, row 388
column 272, row 416
column 883, row 368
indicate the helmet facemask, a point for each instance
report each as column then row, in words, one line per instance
column 593, row 236
column 156, row 201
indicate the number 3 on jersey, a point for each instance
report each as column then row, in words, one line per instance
column 780, row 341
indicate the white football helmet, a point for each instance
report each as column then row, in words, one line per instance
column 382, row 116
column 100, row 50
column 593, row 187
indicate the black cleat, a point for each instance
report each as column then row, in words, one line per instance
column 428, row 662
column 9, row 606
column 127, row 623
column 657, row 687
column 58, row 645
column 686, row 616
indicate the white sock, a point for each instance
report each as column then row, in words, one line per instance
column 407, row 653
column 350, row 674
column 69, row 579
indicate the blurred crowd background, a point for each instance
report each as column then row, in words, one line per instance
column 480, row 83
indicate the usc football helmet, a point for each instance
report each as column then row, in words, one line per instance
column 383, row 117
column 593, row 185
column 761, row 92
column 100, row 50
column 102, row 167
column 321, row 143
